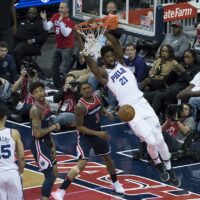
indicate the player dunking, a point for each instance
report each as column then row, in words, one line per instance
column 88, row 117
column 10, row 142
column 43, row 146
column 121, row 81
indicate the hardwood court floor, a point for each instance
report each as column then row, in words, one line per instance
column 140, row 180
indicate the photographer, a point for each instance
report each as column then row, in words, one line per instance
column 27, row 78
column 67, row 98
column 178, row 126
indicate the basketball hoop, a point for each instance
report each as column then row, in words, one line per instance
column 93, row 30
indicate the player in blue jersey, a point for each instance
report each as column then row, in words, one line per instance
column 43, row 146
column 90, row 136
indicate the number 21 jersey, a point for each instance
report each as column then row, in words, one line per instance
column 123, row 84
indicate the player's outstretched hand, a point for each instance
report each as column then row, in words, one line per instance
column 103, row 135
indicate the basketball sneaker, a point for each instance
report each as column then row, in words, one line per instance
column 173, row 178
column 58, row 194
column 164, row 175
column 118, row 188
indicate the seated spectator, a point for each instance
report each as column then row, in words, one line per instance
column 178, row 79
column 178, row 126
column 193, row 90
column 160, row 70
column 67, row 98
column 134, row 62
column 197, row 42
column 30, row 36
column 177, row 40
column 5, row 90
column 7, row 64
column 192, row 94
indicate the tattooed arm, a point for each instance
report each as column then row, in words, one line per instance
column 36, row 119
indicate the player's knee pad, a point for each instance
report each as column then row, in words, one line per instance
column 48, row 182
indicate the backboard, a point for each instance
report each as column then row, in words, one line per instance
column 138, row 17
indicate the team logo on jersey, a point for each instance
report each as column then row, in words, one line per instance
column 42, row 163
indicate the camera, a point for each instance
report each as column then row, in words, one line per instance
column 31, row 73
column 174, row 111
column 73, row 83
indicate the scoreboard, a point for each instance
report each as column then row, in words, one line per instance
column 31, row 3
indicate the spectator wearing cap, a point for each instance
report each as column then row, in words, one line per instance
column 178, row 41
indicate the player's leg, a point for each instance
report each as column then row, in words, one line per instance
column 73, row 172
column 14, row 185
column 112, row 171
column 101, row 148
column 83, row 149
column 3, row 189
column 163, row 148
column 47, row 164
column 143, row 130
column 50, row 175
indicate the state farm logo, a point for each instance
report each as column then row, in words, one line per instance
column 179, row 11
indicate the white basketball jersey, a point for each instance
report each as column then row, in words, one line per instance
column 123, row 84
column 7, row 150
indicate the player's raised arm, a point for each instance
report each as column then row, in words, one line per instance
column 19, row 150
column 100, row 73
column 118, row 51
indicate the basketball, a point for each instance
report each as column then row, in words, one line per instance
column 126, row 113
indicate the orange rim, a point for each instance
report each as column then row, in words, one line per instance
column 109, row 22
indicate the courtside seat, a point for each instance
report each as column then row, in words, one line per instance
column 30, row 62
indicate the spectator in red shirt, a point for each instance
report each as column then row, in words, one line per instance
column 67, row 97
column 63, row 28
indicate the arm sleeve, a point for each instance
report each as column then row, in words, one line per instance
column 47, row 25
column 65, row 30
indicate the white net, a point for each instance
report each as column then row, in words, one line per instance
column 93, row 33
column 93, row 40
